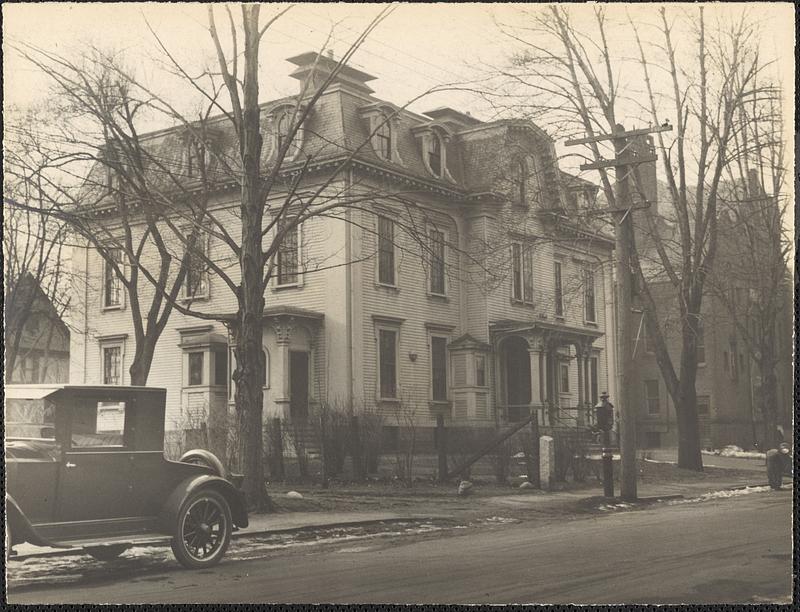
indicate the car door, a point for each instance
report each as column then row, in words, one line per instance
column 95, row 472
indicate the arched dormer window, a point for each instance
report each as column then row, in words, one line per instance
column 433, row 138
column 383, row 138
column 383, row 130
column 433, row 154
column 280, row 128
column 519, row 182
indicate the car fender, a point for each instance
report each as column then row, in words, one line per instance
column 234, row 497
column 22, row 529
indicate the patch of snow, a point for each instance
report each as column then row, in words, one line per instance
column 294, row 495
column 724, row 494
column 657, row 461
column 498, row 520
column 610, row 507
column 735, row 451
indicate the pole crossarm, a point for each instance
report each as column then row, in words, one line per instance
column 666, row 127
column 625, row 161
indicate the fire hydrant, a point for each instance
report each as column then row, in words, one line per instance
column 604, row 414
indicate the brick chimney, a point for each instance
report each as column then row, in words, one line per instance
column 348, row 77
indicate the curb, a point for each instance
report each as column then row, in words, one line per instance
column 236, row 535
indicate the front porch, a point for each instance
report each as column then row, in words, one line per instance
column 548, row 368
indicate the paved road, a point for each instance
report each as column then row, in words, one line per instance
column 722, row 551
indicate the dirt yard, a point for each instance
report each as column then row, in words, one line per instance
column 431, row 498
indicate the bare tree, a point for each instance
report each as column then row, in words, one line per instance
column 574, row 81
column 97, row 181
column 751, row 279
column 35, row 265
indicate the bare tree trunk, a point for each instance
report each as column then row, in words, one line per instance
column 247, row 334
column 249, row 397
column 143, row 361
column 689, row 456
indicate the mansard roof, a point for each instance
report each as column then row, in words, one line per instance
column 476, row 152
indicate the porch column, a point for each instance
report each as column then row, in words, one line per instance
column 535, row 353
column 283, row 335
column 579, row 353
column 550, row 393
column 588, row 377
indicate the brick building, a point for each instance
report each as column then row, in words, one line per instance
column 727, row 379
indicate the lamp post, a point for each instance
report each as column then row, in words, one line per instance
column 604, row 412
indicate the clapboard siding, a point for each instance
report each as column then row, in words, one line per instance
column 409, row 301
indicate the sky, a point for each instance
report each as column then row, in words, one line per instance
column 416, row 48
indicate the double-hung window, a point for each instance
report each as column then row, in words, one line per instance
column 589, row 311
column 559, row 289
column 112, row 283
column 387, row 360
column 196, row 366
column 480, row 370
column 521, row 273
column 112, row 365
column 439, row 368
column 289, row 253
column 386, row 263
column 563, row 383
column 437, row 278
column 196, row 283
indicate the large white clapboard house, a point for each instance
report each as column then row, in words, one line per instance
column 498, row 302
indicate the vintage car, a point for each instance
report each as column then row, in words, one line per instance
column 85, row 468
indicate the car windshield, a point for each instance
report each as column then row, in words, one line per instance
column 30, row 418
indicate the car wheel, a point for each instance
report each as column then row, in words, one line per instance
column 204, row 457
column 107, row 553
column 203, row 530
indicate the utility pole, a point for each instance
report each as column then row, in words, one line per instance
column 626, row 156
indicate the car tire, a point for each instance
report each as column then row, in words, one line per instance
column 202, row 531
column 107, row 553
column 199, row 456
column 8, row 540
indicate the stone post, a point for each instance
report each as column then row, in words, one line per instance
column 547, row 462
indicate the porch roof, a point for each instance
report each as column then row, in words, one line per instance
column 546, row 329
column 275, row 312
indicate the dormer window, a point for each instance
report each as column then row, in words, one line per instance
column 283, row 129
column 519, row 182
column 383, row 139
column 195, row 159
column 434, row 154
column 433, row 138
column 383, row 128
column 282, row 119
